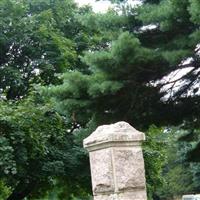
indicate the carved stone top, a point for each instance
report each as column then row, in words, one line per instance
column 115, row 134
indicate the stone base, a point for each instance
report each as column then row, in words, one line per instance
column 137, row 195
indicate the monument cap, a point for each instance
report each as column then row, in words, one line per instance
column 120, row 132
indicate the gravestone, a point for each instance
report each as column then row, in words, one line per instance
column 116, row 161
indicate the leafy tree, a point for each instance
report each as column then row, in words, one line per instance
column 36, row 149
column 119, row 78
column 141, row 58
column 177, row 23
column 155, row 155
column 177, row 36
column 172, row 28
column 123, row 81
column 102, row 95
column 38, row 40
column 4, row 190
column 178, row 174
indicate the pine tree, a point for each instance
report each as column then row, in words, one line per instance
column 124, row 78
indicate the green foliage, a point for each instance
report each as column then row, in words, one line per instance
column 179, row 175
column 173, row 29
column 35, row 147
column 96, row 95
column 155, row 158
column 4, row 190
column 38, row 40
column 193, row 9
column 99, row 92
column 109, row 68
column 117, row 86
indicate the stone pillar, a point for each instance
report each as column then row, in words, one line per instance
column 116, row 161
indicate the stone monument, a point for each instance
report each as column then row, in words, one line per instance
column 116, row 161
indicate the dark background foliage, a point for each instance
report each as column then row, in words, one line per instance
column 65, row 70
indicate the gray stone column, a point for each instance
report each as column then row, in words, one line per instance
column 116, row 161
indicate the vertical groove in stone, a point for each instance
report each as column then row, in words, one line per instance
column 114, row 172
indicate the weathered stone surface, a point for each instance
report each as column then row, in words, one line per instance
column 136, row 195
column 129, row 168
column 120, row 132
column 117, row 165
column 102, row 171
